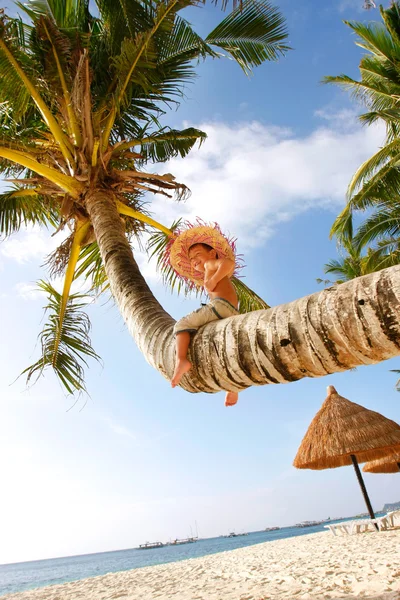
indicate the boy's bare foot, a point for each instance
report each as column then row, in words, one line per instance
column 231, row 398
column 182, row 366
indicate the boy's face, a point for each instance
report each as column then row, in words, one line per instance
column 199, row 255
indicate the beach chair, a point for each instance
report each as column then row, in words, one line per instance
column 362, row 525
column 392, row 516
column 387, row 520
column 352, row 527
column 339, row 528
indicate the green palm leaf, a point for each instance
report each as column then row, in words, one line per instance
column 166, row 144
column 343, row 224
column 374, row 37
column 252, row 34
column 65, row 13
column 11, row 90
column 386, row 254
column 384, row 221
column 73, row 343
column 370, row 170
column 373, row 96
column 248, row 299
column 18, row 210
column 90, row 266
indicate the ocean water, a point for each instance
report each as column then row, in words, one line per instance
column 35, row 574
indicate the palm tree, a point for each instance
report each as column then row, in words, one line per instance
column 351, row 263
column 80, row 101
column 377, row 181
column 354, row 261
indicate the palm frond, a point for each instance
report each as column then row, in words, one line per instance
column 382, row 186
column 343, row 224
column 57, row 49
column 165, row 144
column 18, row 210
column 375, row 38
column 384, row 221
column 377, row 98
column 248, row 299
column 16, row 96
column 125, row 19
column 66, row 352
column 66, row 14
column 183, row 44
column 90, row 266
column 388, row 155
column 385, row 255
column 346, row 268
column 252, row 33
column 391, row 18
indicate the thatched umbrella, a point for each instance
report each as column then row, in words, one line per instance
column 390, row 464
column 344, row 433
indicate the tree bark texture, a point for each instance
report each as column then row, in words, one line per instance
column 336, row 329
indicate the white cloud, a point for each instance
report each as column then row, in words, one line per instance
column 343, row 120
column 28, row 291
column 30, row 244
column 249, row 177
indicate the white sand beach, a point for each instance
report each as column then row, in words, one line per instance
column 310, row 567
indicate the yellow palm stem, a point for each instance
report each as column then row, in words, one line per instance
column 107, row 128
column 66, row 183
column 123, row 209
column 73, row 123
column 49, row 119
column 80, row 233
column 96, row 144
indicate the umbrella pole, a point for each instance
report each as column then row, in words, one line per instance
column 363, row 488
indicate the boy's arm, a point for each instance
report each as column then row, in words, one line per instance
column 224, row 267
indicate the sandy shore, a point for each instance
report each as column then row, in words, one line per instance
column 310, row 567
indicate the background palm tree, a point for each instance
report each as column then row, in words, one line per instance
column 80, row 101
column 376, row 184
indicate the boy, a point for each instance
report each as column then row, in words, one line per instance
column 202, row 264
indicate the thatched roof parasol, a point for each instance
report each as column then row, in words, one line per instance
column 391, row 464
column 343, row 433
column 341, row 429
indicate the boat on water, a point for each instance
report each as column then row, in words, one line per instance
column 189, row 540
column 309, row 523
column 150, row 545
column 271, row 528
column 233, row 534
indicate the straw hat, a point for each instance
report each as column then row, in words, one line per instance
column 390, row 464
column 177, row 250
column 342, row 428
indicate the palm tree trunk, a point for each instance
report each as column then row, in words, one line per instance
column 336, row 329
column 148, row 323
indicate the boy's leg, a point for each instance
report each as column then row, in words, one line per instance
column 231, row 398
column 182, row 364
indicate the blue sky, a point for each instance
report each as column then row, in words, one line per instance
column 139, row 461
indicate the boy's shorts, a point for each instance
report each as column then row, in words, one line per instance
column 214, row 310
